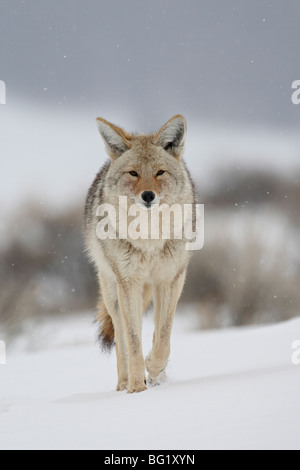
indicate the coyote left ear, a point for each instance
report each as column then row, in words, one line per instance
column 172, row 136
column 117, row 140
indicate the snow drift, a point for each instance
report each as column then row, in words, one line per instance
column 233, row 389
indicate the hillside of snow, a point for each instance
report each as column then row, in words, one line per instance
column 228, row 389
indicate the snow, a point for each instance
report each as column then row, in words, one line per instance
column 227, row 389
column 51, row 155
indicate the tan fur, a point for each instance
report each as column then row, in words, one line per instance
column 125, row 136
column 106, row 327
column 167, row 124
column 132, row 273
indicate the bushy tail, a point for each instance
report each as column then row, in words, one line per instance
column 106, row 328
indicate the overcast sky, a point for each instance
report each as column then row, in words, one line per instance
column 230, row 61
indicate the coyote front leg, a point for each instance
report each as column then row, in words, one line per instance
column 131, row 305
column 166, row 297
column 110, row 297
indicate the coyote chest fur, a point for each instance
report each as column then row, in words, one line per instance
column 147, row 172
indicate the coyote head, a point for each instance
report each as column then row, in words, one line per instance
column 148, row 169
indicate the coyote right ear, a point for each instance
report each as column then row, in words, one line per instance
column 117, row 140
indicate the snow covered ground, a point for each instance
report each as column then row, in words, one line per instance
column 229, row 389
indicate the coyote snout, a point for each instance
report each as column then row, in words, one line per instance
column 148, row 197
column 146, row 170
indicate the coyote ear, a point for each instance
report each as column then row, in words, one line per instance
column 172, row 136
column 117, row 140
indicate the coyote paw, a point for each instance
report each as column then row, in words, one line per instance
column 156, row 370
column 123, row 385
column 137, row 387
column 159, row 380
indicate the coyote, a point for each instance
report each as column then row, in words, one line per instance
column 149, row 171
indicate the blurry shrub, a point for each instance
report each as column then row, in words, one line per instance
column 248, row 271
column 43, row 267
column 256, row 188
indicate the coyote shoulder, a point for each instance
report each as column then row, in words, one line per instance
column 149, row 171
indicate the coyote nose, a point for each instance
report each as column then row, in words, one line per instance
column 148, row 196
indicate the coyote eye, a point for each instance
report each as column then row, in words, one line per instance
column 133, row 173
column 160, row 173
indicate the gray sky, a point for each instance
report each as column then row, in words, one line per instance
column 231, row 60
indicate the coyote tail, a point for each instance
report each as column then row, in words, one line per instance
column 106, row 328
